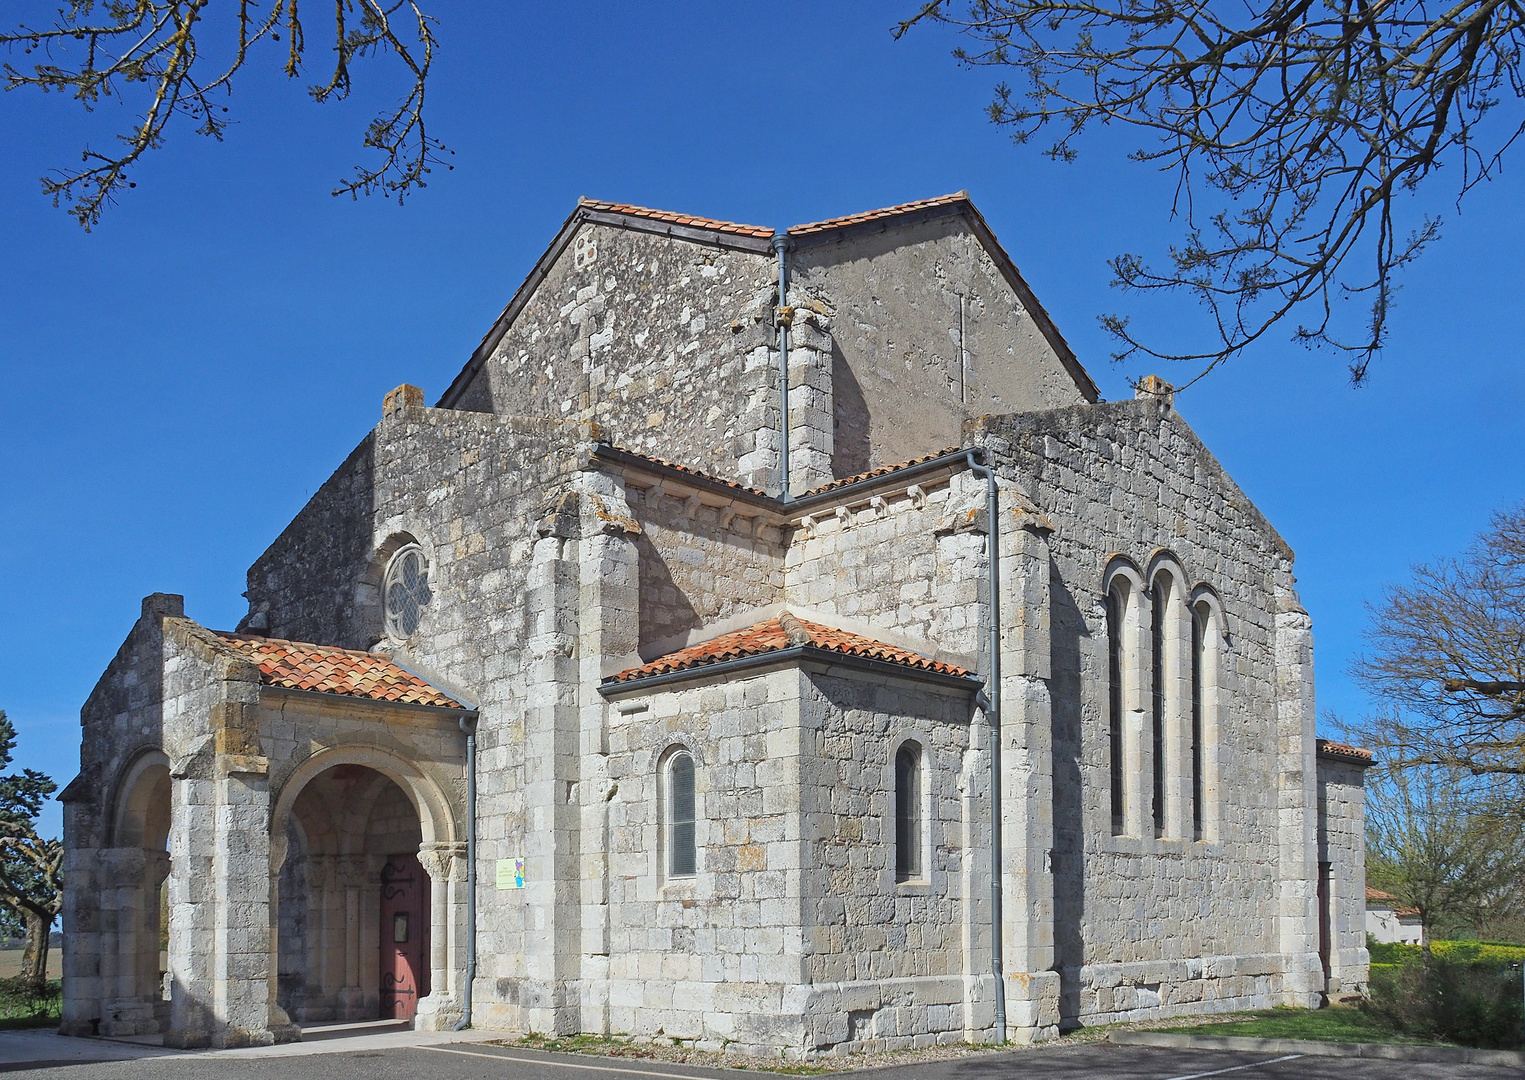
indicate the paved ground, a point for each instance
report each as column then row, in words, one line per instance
column 366, row 1059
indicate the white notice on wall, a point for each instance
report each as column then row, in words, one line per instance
column 510, row 873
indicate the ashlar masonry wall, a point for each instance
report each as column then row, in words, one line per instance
column 794, row 932
column 1342, row 849
column 1145, row 926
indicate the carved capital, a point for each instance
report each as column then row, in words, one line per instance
column 443, row 862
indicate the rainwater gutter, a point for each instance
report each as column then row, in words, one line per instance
column 989, row 699
column 469, row 726
column 780, row 243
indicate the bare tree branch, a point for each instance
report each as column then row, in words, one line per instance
column 150, row 50
column 1447, row 658
column 1293, row 127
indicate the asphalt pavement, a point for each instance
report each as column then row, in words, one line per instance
column 479, row 1061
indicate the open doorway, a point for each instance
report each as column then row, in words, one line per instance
column 354, row 905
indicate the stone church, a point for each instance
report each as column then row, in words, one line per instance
column 769, row 640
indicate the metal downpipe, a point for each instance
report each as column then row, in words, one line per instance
column 469, row 726
column 989, row 699
column 780, row 243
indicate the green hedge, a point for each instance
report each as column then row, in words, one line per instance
column 24, row 1004
column 1454, row 998
column 1461, row 952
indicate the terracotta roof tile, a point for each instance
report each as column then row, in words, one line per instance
column 1340, row 750
column 875, row 215
column 771, row 635
column 677, row 219
column 296, row 665
column 1378, row 896
column 883, row 470
column 692, row 472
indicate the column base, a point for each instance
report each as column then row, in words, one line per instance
column 437, row 1013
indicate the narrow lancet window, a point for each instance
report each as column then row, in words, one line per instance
column 1157, row 655
column 908, row 865
column 1115, row 704
column 682, row 856
column 1199, row 621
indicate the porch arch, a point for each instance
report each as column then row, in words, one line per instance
column 348, row 876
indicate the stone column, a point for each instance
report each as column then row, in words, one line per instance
column 1297, row 806
column 349, row 883
column 445, row 863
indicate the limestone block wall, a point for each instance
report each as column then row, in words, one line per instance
column 909, row 560
column 664, row 341
column 1342, row 846
column 793, row 934
column 1147, row 926
column 700, row 564
column 887, row 962
column 921, row 314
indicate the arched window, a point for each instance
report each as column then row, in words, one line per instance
column 1159, row 597
column 1115, row 703
column 682, row 853
column 908, row 861
column 1199, row 620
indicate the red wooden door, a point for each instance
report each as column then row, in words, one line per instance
column 404, row 936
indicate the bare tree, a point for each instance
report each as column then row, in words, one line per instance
column 1447, row 657
column 162, row 54
column 1293, row 128
column 1445, row 844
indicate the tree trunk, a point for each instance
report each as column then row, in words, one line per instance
column 34, row 955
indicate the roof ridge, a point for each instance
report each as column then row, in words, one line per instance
column 775, row 634
column 845, row 220
column 233, row 635
column 674, row 217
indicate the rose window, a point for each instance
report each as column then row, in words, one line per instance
column 407, row 591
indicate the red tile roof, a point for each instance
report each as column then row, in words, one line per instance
column 296, row 665
column 774, row 635
column 692, row 472
column 1340, row 750
column 876, row 215
column 1378, row 895
column 677, row 219
column 883, row 470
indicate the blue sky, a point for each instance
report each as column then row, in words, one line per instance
column 182, row 379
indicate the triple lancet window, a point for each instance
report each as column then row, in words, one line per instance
column 1163, row 644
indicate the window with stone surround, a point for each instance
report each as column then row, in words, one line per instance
column 1116, row 719
column 1159, row 641
column 908, row 815
column 679, row 839
column 405, row 591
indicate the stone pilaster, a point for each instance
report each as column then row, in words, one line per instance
column 1297, row 806
column 1027, row 766
column 811, row 419
column 608, row 629
column 551, row 740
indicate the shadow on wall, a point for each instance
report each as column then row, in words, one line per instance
column 1066, row 659
column 850, row 426
column 664, row 609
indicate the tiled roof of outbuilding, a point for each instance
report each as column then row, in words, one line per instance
column 1340, row 750
column 676, row 219
column 297, row 665
column 883, row 470
column 772, row 636
column 698, row 473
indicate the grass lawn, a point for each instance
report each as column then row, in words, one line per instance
column 1338, row 1023
column 18, row 1010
